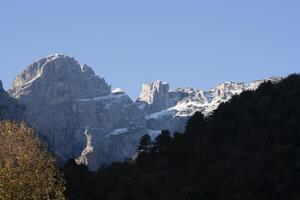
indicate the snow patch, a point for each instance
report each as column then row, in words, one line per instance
column 118, row 131
column 117, row 91
column 111, row 96
column 159, row 114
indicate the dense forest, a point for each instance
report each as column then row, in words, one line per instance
column 249, row 148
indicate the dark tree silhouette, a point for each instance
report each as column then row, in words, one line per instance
column 145, row 143
column 249, row 148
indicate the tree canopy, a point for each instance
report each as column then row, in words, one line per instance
column 249, row 148
column 27, row 170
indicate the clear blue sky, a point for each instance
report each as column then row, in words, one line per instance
column 187, row 43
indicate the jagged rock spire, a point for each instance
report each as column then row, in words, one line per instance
column 156, row 95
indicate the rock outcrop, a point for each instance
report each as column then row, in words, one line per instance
column 178, row 105
column 80, row 117
column 154, row 97
column 63, row 98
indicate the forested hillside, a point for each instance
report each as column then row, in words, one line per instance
column 27, row 169
column 249, row 148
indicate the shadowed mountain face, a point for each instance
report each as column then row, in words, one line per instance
column 80, row 117
column 10, row 109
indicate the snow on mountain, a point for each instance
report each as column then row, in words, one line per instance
column 175, row 106
column 118, row 131
column 117, row 91
column 63, row 97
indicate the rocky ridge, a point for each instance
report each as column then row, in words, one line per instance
column 177, row 105
column 81, row 117
column 64, row 98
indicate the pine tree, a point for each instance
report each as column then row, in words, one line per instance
column 163, row 141
column 145, row 142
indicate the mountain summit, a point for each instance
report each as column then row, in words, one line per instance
column 68, row 80
column 81, row 117
column 64, row 99
column 169, row 109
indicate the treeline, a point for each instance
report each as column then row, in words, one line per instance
column 249, row 149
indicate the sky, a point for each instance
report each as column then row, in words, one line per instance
column 186, row 43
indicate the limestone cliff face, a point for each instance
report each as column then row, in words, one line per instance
column 80, row 117
column 57, row 79
column 166, row 109
column 154, row 96
column 64, row 98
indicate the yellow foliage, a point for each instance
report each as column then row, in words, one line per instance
column 27, row 170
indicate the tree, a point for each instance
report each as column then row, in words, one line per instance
column 195, row 123
column 27, row 171
column 145, row 142
column 249, row 148
column 163, row 141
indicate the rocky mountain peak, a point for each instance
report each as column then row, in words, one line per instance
column 35, row 70
column 81, row 117
column 226, row 90
column 59, row 77
column 1, row 86
column 76, row 111
column 154, row 96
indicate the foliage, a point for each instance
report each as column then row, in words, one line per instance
column 27, row 171
column 145, row 143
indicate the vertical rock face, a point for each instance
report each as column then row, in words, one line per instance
column 80, row 117
column 61, row 78
column 63, row 98
column 177, row 105
column 154, row 96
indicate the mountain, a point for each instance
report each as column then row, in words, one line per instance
column 74, row 109
column 170, row 109
column 81, row 117
column 248, row 148
column 10, row 109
